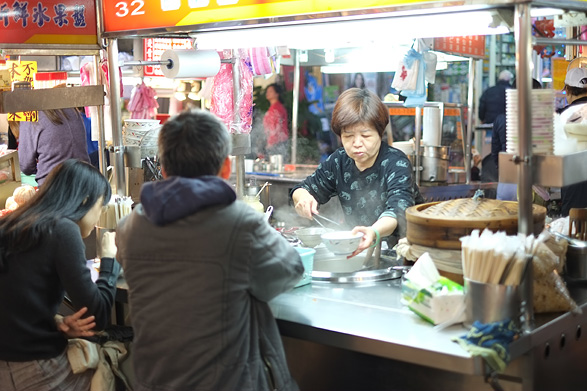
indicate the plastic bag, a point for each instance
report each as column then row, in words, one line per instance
column 411, row 79
column 550, row 292
column 430, row 59
column 406, row 76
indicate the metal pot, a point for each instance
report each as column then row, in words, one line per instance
column 434, row 161
column 576, row 265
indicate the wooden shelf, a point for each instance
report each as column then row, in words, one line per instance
column 51, row 98
column 549, row 170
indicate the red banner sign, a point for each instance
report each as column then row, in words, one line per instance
column 153, row 48
column 48, row 22
column 468, row 46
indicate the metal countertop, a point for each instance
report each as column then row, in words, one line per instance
column 370, row 318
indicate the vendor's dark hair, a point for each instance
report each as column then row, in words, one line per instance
column 356, row 106
column 193, row 144
column 70, row 191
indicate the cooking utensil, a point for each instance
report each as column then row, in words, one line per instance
column 263, row 187
column 325, row 219
column 578, row 220
column 572, row 241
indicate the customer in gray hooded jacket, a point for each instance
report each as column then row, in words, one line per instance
column 201, row 268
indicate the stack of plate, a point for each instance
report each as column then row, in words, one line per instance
column 542, row 121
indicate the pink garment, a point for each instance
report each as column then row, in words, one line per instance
column 275, row 124
column 143, row 102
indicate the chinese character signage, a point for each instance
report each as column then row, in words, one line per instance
column 127, row 15
column 22, row 71
column 153, row 48
column 468, row 46
column 48, row 22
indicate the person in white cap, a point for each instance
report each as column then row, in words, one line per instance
column 573, row 196
column 492, row 101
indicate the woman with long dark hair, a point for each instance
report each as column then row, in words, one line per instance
column 42, row 257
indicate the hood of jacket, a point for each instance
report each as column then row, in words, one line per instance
column 174, row 198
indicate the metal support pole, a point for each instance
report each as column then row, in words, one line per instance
column 418, row 136
column 295, row 108
column 470, row 115
column 100, row 121
column 235, row 127
column 115, row 112
column 523, row 36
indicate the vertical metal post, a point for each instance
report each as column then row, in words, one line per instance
column 295, row 108
column 115, row 112
column 418, row 136
column 492, row 62
column 235, row 127
column 470, row 115
column 100, row 120
column 523, row 36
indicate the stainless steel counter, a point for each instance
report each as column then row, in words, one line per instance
column 371, row 319
column 367, row 327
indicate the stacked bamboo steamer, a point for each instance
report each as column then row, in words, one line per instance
column 440, row 225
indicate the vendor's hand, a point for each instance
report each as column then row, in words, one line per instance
column 368, row 239
column 73, row 326
column 305, row 204
column 108, row 246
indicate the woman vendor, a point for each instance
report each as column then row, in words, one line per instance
column 372, row 180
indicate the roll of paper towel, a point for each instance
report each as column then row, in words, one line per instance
column 431, row 129
column 190, row 63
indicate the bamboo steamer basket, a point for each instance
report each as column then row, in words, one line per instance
column 441, row 224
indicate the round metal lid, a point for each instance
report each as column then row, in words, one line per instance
column 359, row 269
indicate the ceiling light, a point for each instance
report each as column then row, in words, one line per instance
column 180, row 96
column 319, row 35
column 540, row 12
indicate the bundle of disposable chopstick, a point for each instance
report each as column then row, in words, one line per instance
column 117, row 208
column 495, row 258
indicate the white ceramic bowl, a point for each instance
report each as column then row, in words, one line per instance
column 342, row 242
column 310, row 237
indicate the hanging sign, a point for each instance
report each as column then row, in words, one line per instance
column 125, row 15
column 468, row 45
column 23, row 71
column 48, row 22
column 153, row 48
